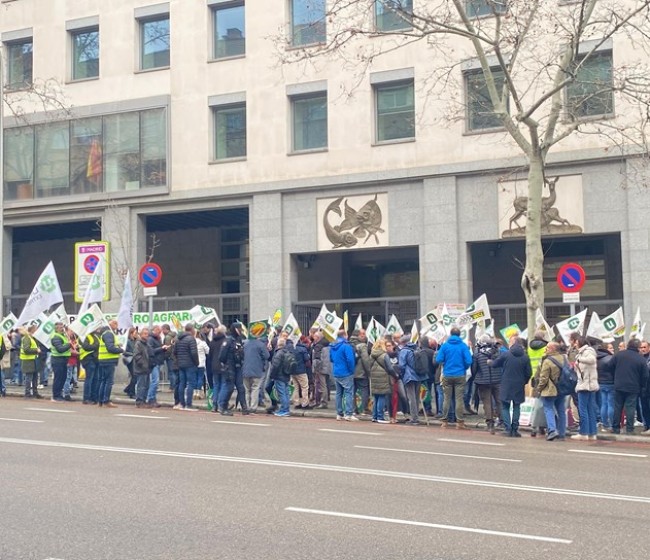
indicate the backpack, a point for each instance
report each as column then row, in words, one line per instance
column 289, row 364
column 568, row 378
column 421, row 364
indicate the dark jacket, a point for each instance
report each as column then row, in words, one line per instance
column 406, row 360
column 185, row 351
column 277, row 371
column 158, row 355
column 227, row 355
column 605, row 375
column 431, row 358
column 256, row 357
column 215, row 345
column 142, row 358
column 630, row 371
column 484, row 373
column 301, row 354
column 317, row 355
column 516, row 372
column 361, row 357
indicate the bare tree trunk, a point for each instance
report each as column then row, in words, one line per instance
column 532, row 281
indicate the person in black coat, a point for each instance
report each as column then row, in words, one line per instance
column 218, row 371
column 516, row 372
column 188, row 360
column 231, row 356
column 487, row 378
column 630, row 377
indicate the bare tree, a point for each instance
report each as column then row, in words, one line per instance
column 538, row 75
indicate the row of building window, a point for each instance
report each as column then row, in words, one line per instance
column 308, row 27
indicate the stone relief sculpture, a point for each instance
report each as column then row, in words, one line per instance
column 355, row 224
column 552, row 223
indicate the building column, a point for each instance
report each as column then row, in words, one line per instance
column 6, row 263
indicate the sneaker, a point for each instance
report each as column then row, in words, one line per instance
column 322, row 405
column 339, row 417
column 110, row 404
column 41, row 386
column 515, row 433
column 646, row 432
column 282, row 414
column 551, row 436
column 67, row 398
column 226, row 413
column 191, row 409
column 271, row 409
column 380, row 421
column 580, row 437
column 593, row 438
column 56, row 399
column 533, row 434
column 351, row 419
column 177, row 407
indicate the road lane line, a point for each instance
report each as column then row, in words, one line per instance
column 142, row 416
column 239, row 423
column 335, row 468
column 449, row 440
column 51, row 410
column 19, row 420
column 441, row 454
column 606, row 453
column 431, row 525
column 350, row 432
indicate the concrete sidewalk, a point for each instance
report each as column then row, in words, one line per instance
column 166, row 399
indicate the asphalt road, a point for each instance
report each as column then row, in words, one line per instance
column 83, row 483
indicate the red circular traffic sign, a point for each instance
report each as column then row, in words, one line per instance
column 90, row 263
column 150, row 275
column 571, row 277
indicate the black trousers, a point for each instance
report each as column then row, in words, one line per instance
column 627, row 401
column 60, row 369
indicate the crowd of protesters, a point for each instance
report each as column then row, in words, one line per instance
column 384, row 380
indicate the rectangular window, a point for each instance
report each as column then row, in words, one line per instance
column 119, row 152
column 309, row 114
column 154, row 42
column 230, row 131
column 19, row 64
column 85, row 53
column 480, row 111
column 477, row 8
column 307, row 22
column 591, row 94
column 395, row 111
column 229, row 30
column 392, row 15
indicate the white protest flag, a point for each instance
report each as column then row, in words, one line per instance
column 636, row 328
column 613, row 325
column 61, row 315
column 38, row 321
column 593, row 330
column 320, row 317
column 576, row 323
column 375, row 330
column 125, row 314
column 358, row 324
column 542, row 326
column 447, row 320
column 524, row 334
column 490, row 329
column 292, row 328
column 415, row 335
column 480, row 329
column 45, row 294
column 45, row 331
column 393, row 326
column 427, row 321
column 329, row 323
column 95, row 289
column 478, row 311
column 201, row 315
column 8, row 323
column 91, row 320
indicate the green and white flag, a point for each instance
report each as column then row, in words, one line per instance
column 125, row 314
column 91, row 320
column 427, row 321
column 202, row 315
column 44, row 333
column 613, row 325
column 375, row 330
column 8, row 323
column 572, row 324
column 292, row 329
column 329, row 323
column 95, row 289
column 393, row 326
column 358, row 324
column 636, row 330
column 542, row 326
column 447, row 320
column 593, row 331
column 46, row 293
column 478, row 311
column 317, row 321
column 38, row 321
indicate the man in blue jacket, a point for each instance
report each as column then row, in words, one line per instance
column 455, row 358
column 343, row 363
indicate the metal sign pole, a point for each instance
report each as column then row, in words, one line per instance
column 150, row 312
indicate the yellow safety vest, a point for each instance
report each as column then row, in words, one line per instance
column 32, row 345
column 83, row 353
column 104, row 354
column 55, row 352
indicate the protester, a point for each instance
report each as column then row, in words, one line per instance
column 343, row 365
column 486, row 370
column 299, row 378
column 410, row 378
column 88, row 355
column 359, row 342
column 29, row 351
column 60, row 351
column 109, row 354
column 256, row 356
column 322, row 368
column 188, row 360
column 204, row 351
column 281, row 366
column 381, row 370
column 554, row 403
column 455, row 358
column 158, row 352
column 587, row 387
column 143, row 356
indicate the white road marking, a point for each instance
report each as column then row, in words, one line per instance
column 606, row 453
column 335, row 468
column 441, row 454
column 350, row 432
column 431, row 525
column 51, row 410
column 19, row 420
column 239, row 423
column 142, row 416
column 448, row 440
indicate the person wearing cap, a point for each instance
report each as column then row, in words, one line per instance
column 455, row 358
column 29, row 351
column 60, row 352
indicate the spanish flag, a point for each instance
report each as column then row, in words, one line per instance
column 95, row 164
